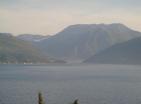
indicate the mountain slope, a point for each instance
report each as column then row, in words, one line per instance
column 125, row 53
column 78, row 42
column 13, row 50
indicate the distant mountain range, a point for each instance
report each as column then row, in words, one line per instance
column 88, row 43
column 32, row 38
column 79, row 42
column 13, row 50
column 124, row 53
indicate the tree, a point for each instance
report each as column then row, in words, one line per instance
column 75, row 102
column 40, row 98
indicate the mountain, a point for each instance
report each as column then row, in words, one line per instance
column 13, row 50
column 124, row 53
column 81, row 41
column 32, row 38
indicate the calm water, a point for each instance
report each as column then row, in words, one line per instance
column 61, row 84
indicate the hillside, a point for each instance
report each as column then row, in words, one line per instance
column 79, row 42
column 13, row 50
column 125, row 53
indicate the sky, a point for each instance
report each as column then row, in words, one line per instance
column 47, row 17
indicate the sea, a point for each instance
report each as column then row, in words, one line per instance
column 63, row 84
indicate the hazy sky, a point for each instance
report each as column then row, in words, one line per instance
column 48, row 17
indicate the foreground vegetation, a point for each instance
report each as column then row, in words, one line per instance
column 41, row 99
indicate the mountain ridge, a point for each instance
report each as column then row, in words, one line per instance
column 13, row 50
column 80, row 41
column 123, row 53
column 32, row 37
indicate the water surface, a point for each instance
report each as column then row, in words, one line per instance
column 61, row 84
